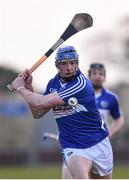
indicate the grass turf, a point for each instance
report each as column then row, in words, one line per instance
column 49, row 172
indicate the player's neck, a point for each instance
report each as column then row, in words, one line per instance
column 67, row 79
column 98, row 90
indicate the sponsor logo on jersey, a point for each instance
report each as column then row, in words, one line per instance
column 53, row 90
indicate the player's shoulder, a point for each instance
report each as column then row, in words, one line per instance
column 110, row 94
column 55, row 78
column 86, row 82
column 82, row 76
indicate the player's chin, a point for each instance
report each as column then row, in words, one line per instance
column 68, row 78
column 69, row 74
column 97, row 86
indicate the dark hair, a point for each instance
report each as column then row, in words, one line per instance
column 98, row 66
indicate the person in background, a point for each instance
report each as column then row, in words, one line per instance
column 106, row 100
column 83, row 135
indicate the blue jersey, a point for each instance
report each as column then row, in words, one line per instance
column 108, row 103
column 80, row 126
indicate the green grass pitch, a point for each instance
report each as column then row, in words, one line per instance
column 49, row 172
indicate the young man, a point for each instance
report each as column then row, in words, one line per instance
column 107, row 101
column 107, row 104
column 83, row 135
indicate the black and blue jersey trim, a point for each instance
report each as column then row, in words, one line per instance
column 81, row 83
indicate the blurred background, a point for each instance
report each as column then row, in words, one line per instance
column 28, row 29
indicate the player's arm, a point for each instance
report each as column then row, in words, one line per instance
column 36, row 112
column 41, row 101
column 116, row 126
column 117, row 115
column 38, row 102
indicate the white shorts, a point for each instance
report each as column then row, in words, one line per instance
column 100, row 154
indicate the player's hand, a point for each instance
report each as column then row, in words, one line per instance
column 26, row 75
column 18, row 82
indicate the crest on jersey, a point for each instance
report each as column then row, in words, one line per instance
column 104, row 104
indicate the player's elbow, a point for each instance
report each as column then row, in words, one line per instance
column 35, row 116
column 39, row 112
column 121, row 121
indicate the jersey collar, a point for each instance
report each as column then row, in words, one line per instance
column 58, row 76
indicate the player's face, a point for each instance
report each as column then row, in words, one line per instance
column 97, row 77
column 67, row 68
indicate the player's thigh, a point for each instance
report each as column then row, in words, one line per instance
column 79, row 167
column 66, row 174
